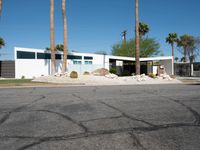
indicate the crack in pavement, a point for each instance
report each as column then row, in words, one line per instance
column 67, row 118
column 136, row 142
column 132, row 131
column 32, row 90
column 114, row 117
column 190, row 109
column 40, row 140
column 126, row 115
column 7, row 116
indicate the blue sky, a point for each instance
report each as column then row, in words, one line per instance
column 94, row 25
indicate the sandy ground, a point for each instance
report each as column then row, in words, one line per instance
column 101, row 80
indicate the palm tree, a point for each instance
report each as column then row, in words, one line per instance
column 53, row 61
column 172, row 39
column 186, row 42
column 137, row 41
column 176, row 59
column 143, row 29
column 2, row 43
column 59, row 47
column 0, row 6
column 65, row 36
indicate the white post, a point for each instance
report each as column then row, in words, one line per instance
column 192, row 69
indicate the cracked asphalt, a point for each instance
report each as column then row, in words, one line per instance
column 137, row 117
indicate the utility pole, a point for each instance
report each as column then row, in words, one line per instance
column 123, row 34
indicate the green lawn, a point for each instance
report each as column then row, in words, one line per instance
column 17, row 82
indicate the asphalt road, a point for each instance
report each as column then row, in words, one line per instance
column 145, row 117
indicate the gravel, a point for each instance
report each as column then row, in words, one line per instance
column 106, row 80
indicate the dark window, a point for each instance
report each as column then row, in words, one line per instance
column 47, row 56
column 58, row 56
column 43, row 56
column 25, row 55
column 88, row 57
column 74, row 57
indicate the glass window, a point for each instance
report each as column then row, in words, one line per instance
column 74, row 57
column 88, row 57
column 25, row 55
column 58, row 56
column 76, row 62
column 47, row 56
column 43, row 56
column 88, row 62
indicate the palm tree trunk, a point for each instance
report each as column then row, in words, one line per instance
column 185, row 54
column 52, row 45
column 65, row 36
column 172, row 58
column 137, row 40
column 172, row 50
column 0, row 7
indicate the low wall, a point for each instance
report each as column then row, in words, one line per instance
column 7, row 69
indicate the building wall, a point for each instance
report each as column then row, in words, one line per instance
column 168, row 66
column 36, row 67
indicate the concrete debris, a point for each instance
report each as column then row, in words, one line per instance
column 111, row 76
column 100, row 72
column 165, row 77
column 141, row 77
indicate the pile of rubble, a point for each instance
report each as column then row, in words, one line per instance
column 66, row 74
column 100, row 72
column 111, row 76
column 141, row 77
column 144, row 77
column 165, row 77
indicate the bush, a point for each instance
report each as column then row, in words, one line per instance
column 73, row 74
column 86, row 73
column 23, row 77
column 126, row 73
column 151, row 75
column 113, row 70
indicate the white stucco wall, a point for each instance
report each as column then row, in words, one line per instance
column 34, row 68
column 168, row 66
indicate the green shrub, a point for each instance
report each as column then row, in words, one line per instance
column 73, row 74
column 113, row 70
column 23, row 77
column 151, row 75
column 126, row 73
column 86, row 73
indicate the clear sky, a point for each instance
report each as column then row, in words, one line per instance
column 94, row 25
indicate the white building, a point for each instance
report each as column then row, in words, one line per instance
column 36, row 62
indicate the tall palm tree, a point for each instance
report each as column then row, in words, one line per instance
column 2, row 43
column 137, row 41
column 186, row 42
column 65, row 36
column 0, row 6
column 172, row 39
column 143, row 29
column 52, row 47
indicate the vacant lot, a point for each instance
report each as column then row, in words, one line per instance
column 138, row 117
